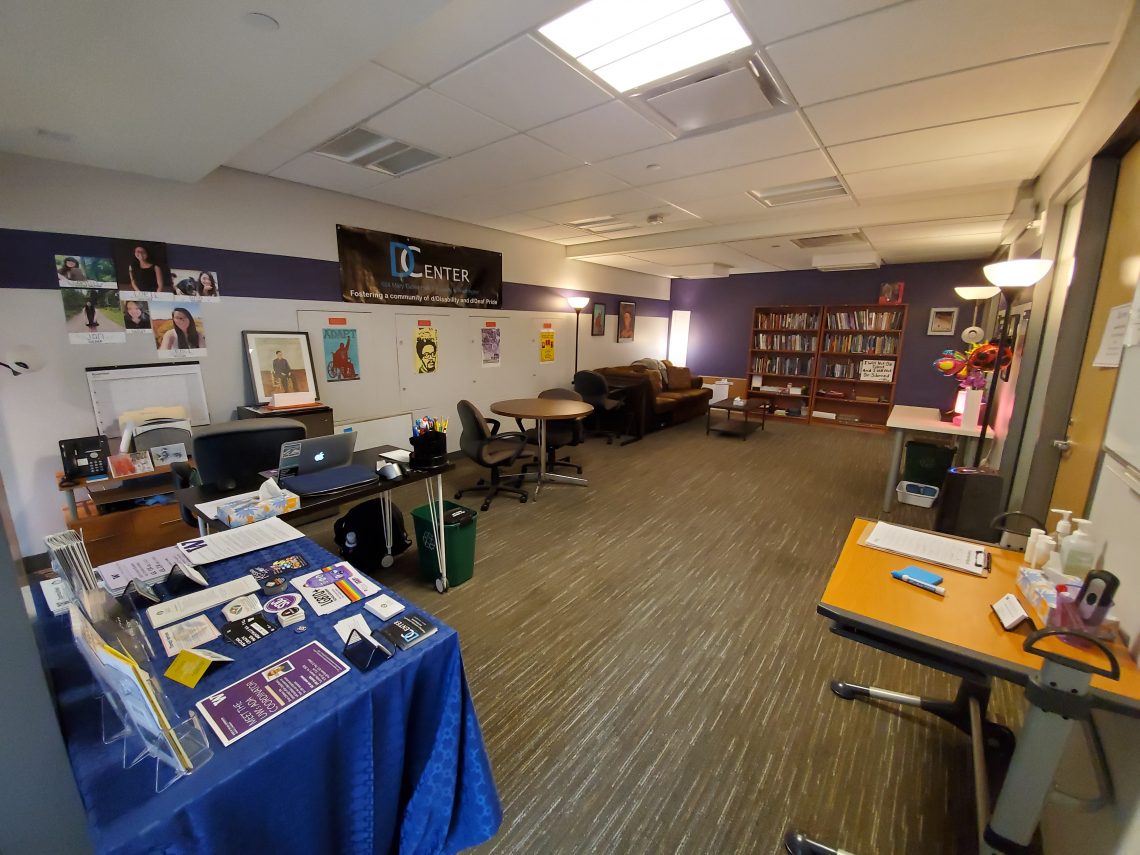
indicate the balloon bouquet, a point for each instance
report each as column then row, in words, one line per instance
column 970, row 366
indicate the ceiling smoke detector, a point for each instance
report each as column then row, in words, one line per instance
column 655, row 219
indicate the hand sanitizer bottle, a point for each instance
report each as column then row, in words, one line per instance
column 1064, row 527
column 1078, row 552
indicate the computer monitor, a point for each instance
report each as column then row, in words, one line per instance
column 225, row 453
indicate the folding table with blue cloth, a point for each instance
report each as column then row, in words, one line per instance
column 388, row 760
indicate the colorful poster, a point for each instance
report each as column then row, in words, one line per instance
column 178, row 330
column 194, row 286
column 92, row 316
column 242, row 707
column 546, row 346
column 341, row 354
column 491, row 340
column 84, row 271
column 427, row 348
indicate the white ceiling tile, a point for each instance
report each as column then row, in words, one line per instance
column 583, row 238
column 431, row 121
column 1039, row 129
column 463, row 30
column 1065, row 77
column 778, row 251
column 517, row 223
column 934, row 229
column 772, row 20
column 319, row 171
column 604, row 131
column 262, row 157
column 766, row 174
column 938, row 250
column 627, row 263
column 353, row 99
column 952, row 173
column 522, row 84
column 760, row 140
column 608, row 205
column 580, row 183
column 726, row 209
column 924, row 38
column 708, row 254
column 556, row 233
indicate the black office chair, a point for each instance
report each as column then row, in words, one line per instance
column 595, row 391
column 226, row 452
column 559, row 433
column 482, row 442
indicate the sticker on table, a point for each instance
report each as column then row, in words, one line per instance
column 242, row 707
column 334, row 587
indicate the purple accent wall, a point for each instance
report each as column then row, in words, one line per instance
column 28, row 262
column 719, row 328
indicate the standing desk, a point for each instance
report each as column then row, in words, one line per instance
column 960, row 635
column 543, row 410
column 904, row 420
column 391, row 759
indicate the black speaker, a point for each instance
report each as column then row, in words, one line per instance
column 970, row 499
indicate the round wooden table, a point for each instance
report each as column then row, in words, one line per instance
column 543, row 410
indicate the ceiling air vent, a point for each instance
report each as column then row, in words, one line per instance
column 601, row 225
column 794, row 194
column 863, row 259
column 847, row 239
column 362, row 147
column 739, row 88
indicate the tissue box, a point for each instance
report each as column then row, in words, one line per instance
column 245, row 511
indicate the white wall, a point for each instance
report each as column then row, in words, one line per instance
column 241, row 211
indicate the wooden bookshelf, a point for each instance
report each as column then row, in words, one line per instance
column 819, row 360
column 857, row 368
column 782, row 358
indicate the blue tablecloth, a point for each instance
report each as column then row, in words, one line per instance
column 389, row 760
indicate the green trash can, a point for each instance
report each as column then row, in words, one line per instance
column 927, row 463
column 460, row 542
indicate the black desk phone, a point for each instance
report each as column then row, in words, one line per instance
column 85, row 457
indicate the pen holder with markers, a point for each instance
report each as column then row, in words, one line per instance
column 429, row 449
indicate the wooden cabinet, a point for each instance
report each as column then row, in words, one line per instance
column 827, row 364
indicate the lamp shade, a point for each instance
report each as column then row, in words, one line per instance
column 977, row 292
column 1018, row 273
column 578, row 303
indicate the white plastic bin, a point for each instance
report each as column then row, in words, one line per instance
column 913, row 493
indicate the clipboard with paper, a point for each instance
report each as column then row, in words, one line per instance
column 965, row 556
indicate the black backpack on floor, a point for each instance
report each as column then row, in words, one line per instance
column 359, row 535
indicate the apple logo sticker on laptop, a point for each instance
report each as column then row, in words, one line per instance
column 319, row 456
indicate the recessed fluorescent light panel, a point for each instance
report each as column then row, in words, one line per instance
column 628, row 43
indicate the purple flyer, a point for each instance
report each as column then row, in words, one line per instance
column 246, row 705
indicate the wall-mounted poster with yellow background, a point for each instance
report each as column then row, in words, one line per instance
column 546, row 343
column 427, row 347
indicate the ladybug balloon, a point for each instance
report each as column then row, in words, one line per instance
column 985, row 356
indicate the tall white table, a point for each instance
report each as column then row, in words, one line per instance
column 904, row 420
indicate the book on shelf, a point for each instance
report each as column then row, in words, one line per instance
column 847, row 418
column 787, row 320
column 869, row 399
column 790, row 341
column 865, row 319
column 822, row 414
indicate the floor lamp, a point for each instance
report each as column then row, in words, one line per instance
column 1007, row 275
column 577, row 304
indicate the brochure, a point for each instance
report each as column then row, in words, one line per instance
column 334, row 587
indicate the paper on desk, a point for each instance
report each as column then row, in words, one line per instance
column 189, row 633
column 148, row 567
column 238, row 541
column 345, row 627
column 397, row 454
column 1112, row 339
column 925, row 546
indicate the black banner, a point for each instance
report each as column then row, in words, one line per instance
column 377, row 267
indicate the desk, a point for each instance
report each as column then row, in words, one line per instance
column 960, row 635
column 190, row 497
column 542, row 410
column 902, row 421
column 379, row 761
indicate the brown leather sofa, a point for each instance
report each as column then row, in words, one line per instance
column 659, row 400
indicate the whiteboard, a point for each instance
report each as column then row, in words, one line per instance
column 116, row 389
column 1122, row 435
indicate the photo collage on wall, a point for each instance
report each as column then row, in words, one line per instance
column 135, row 292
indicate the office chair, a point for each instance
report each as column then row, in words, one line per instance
column 595, row 391
column 559, row 433
column 482, row 442
column 227, row 452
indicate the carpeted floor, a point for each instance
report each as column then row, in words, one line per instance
column 650, row 672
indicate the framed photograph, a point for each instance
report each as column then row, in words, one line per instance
column 891, row 293
column 279, row 362
column 627, row 317
column 942, row 321
column 598, row 319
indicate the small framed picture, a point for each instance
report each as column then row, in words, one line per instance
column 942, row 321
column 627, row 317
column 598, row 319
column 279, row 362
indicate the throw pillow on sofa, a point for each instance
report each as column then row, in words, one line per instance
column 678, row 378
